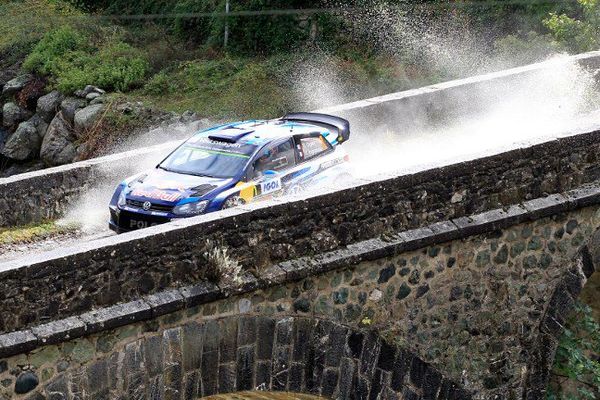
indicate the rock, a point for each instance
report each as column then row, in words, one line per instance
column 69, row 107
column 48, row 105
column 16, row 84
column 98, row 100
column 86, row 117
column 58, row 145
column 92, row 96
column 89, row 89
column 188, row 116
column 8, row 74
column 12, row 114
column 31, row 92
column 25, row 143
column 26, row 382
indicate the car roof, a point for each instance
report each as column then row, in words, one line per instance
column 260, row 132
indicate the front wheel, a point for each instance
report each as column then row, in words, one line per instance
column 232, row 201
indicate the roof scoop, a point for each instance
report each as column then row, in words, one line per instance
column 230, row 134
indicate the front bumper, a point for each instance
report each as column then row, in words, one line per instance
column 126, row 221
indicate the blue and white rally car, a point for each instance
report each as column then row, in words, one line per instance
column 233, row 164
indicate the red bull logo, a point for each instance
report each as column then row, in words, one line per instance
column 156, row 194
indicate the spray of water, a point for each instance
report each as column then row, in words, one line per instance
column 487, row 120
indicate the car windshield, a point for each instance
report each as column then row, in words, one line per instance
column 205, row 157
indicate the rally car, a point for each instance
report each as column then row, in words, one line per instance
column 233, row 164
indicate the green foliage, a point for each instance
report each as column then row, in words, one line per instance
column 72, row 61
column 575, row 34
column 226, row 87
column 23, row 23
column 576, row 371
column 53, row 47
column 525, row 49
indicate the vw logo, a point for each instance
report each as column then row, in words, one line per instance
column 146, row 206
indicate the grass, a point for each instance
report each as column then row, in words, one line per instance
column 32, row 233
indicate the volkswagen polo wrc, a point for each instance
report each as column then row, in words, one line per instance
column 233, row 164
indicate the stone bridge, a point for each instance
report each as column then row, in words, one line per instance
column 449, row 283
column 429, row 286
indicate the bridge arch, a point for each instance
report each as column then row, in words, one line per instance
column 257, row 353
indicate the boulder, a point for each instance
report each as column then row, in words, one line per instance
column 16, row 84
column 8, row 74
column 58, row 145
column 24, row 143
column 69, row 107
column 98, row 100
column 31, row 92
column 48, row 105
column 12, row 115
column 89, row 89
column 26, row 382
column 92, row 96
column 87, row 117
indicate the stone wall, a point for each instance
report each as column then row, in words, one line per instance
column 436, row 104
column 46, row 194
column 481, row 300
column 128, row 266
column 188, row 357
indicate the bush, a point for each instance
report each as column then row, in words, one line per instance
column 519, row 50
column 71, row 61
column 53, row 48
column 24, row 23
column 576, row 370
column 574, row 34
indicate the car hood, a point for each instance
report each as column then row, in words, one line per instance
column 162, row 186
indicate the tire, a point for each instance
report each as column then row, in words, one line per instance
column 232, row 201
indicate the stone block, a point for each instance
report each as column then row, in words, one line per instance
column 296, row 269
column 401, row 369
column 265, row 337
column 245, row 368
column 227, row 378
column 584, row 196
column 370, row 354
column 152, row 349
column 329, row 384
column 60, row 330
column 444, row 231
column 415, row 239
column 201, row 293
column 228, row 340
column 296, row 377
column 117, row 315
column 337, row 344
column 263, row 375
column 387, row 356
column 281, row 365
column 17, row 343
column 346, row 382
column 546, row 206
column 246, row 331
column 431, row 384
column 165, row 302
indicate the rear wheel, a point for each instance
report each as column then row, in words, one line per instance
column 232, row 201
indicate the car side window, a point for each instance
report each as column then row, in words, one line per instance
column 311, row 146
column 275, row 158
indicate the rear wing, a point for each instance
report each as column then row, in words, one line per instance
column 340, row 125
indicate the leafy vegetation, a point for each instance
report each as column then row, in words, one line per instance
column 577, row 34
column 31, row 233
column 576, row 372
column 70, row 58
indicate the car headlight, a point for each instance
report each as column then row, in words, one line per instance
column 122, row 199
column 190, row 208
